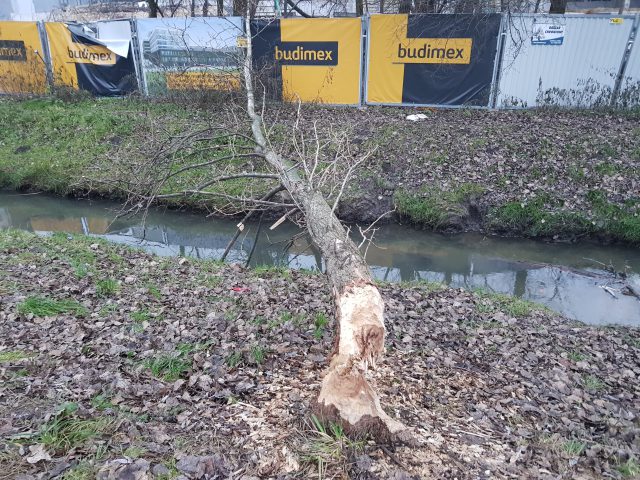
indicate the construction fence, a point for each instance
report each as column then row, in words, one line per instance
column 439, row 60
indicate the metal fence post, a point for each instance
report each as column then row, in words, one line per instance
column 495, row 83
column 46, row 53
column 625, row 60
column 137, row 57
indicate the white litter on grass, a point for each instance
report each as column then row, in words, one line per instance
column 416, row 116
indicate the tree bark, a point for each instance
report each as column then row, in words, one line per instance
column 220, row 5
column 558, row 6
column 345, row 396
column 153, row 8
column 205, row 8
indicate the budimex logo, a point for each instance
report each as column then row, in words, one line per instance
column 306, row 53
column 97, row 55
column 434, row 50
column 13, row 51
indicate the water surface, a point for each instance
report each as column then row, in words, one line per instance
column 566, row 278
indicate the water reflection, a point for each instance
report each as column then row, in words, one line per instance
column 562, row 277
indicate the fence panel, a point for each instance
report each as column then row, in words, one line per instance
column 561, row 60
column 310, row 59
column 82, row 61
column 22, row 63
column 182, row 54
column 440, row 60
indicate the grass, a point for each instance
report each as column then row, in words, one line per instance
column 434, row 208
column 102, row 401
column 13, row 356
column 258, row 354
column 48, row 144
column 327, row 447
column 45, row 307
column 516, row 307
column 234, row 359
column 542, row 217
column 271, row 271
column 107, row 287
column 538, row 218
column 82, row 471
column 621, row 223
column 320, row 323
column 591, row 382
column 629, row 469
column 576, row 356
column 154, row 291
column 65, row 430
column 574, row 447
column 140, row 316
column 134, row 452
column 170, row 366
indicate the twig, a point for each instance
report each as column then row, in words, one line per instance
column 246, row 218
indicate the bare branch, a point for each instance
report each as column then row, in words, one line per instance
column 211, row 162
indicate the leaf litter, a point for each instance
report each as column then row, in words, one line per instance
column 488, row 395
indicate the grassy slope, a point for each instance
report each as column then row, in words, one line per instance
column 51, row 145
column 48, row 144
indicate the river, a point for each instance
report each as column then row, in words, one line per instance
column 565, row 278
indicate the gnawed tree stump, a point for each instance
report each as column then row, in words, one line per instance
column 346, row 395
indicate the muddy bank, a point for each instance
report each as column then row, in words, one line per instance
column 114, row 362
column 552, row 174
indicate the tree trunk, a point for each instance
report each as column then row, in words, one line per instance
column 153, row 8
column 558, row 6
column 404, row 6
column 220, row 4
column 205, row 8
column 345, row 395
column 193, row 8
column 425, row 6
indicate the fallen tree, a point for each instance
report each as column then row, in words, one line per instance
column 346, row 395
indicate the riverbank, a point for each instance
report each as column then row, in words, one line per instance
column 557, row 175
column 115, row 361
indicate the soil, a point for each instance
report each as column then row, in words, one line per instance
column 492, row 387
column 511, row 156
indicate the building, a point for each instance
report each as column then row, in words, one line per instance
column 168, row 48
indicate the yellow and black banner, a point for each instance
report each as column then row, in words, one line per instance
column 83, row 62
column 431, row 59
column 311, row 59
column 22, row 65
